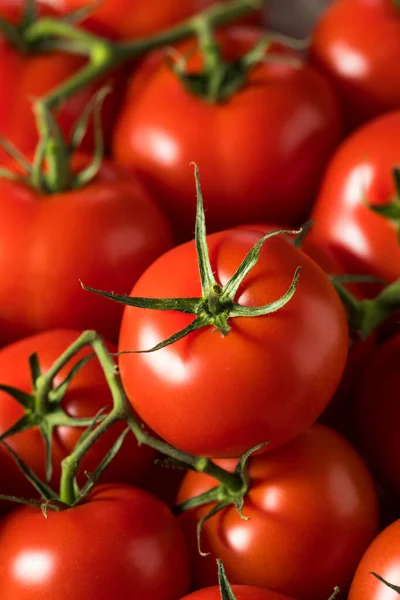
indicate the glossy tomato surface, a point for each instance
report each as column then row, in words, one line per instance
column 121, row 543
column 378, row 413
column 312, row 510
column 383, row 558
column 220, row 396
column 362, row 241
column 356, row 44
column 128, row 19
column 260, row 153
column 87, row 394
column 105, row 234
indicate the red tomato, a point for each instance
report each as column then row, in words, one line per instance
column 121, row 543
column 241, row 592
column 135, row 18
column 25, row 77
column 312, row 511
column 378, row 413
column 87, row 394
column 12, row 482
column 383, row 558
column 260, row 153
column 360, row 240
column 356, row 44
column 105, row 234
column 218, row 396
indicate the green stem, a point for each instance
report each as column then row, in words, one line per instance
column 122, row 411
column 71, row 464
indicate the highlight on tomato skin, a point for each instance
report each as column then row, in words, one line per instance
column 121, row 542
column 312, row 504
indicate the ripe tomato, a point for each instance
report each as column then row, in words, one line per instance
column 106, row 234
column 87, row 394
column 312, row 507
column 356, row 45
column 121, row 543
column 219, row 396
column 383, row 558
column 361, row 241
column 378, row 413
column 241, row 592
column 135, row 19
column 260, row 153
column 25, row 77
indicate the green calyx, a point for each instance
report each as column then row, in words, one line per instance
column 390, row 211
column 16, row 34
column 224, row 586
column 217, row 304
column 51, row 171
column 42, row 407
column 220, row 79
column 233, row 492
column 365, row 316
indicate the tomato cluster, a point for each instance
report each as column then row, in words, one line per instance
column 235, row 432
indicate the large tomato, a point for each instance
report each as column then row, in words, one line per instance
column 87, row 394
column 356, row 44
column 220, row 396
column 129, row 19
column 105, row 233
column 25, row 77
column 383, row 558
column 360, row 240
column 378, row 413
column 260, row 153
column 312, row 511
column 121, row 543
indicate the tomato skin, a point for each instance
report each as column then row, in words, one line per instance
column 87, row 395
column 245, row 371
column 313, row 511
column 122, row 542
column 105, row 234
column 378, row 413
column 361, row 241
column 241, row 592
column 260, row 176
column 356, row 45
column 12, row 482
column 382, row 557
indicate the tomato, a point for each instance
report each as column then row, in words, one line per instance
column 312, row 510
column 135, row 19
column 105, row 234
column 378, row 413
column 360, row 240
column 260, row 153
column 241, row 592
column 383, row 558
column 25, row 77
column 356, row 45
column 121, row 543
column 219, row 396
column 87, row 394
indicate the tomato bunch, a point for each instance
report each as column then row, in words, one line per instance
column 222, row 204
